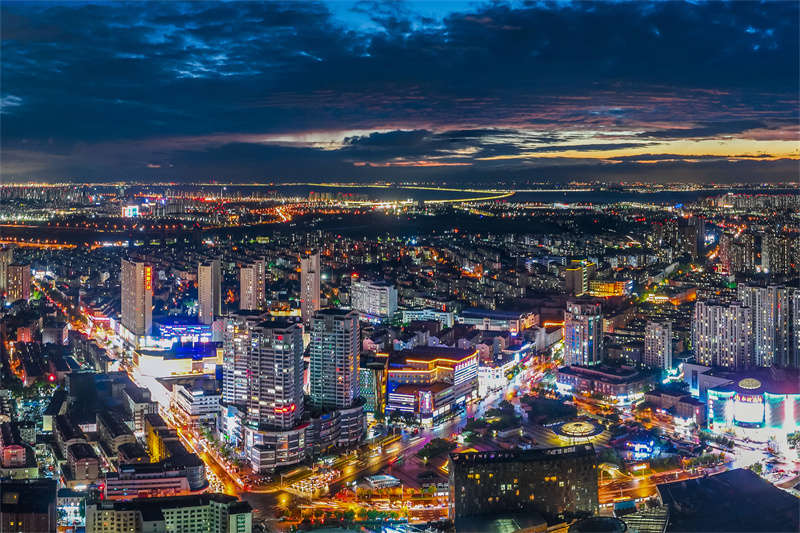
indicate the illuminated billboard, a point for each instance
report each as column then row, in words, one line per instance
column 749, row 409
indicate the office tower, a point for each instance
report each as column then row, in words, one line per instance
column 373, row 299
column 6, row 258
column 137, row 297
column 722, row 334
column 19, row 282
column 209, row 290
column 548, row 481
column 309, row 287
column 236, row 347
column 658, row 344
column 275, row 374
column 770, row 314
column 577, row 276
column 251, row 285
column 583, row 334
column 333, row 370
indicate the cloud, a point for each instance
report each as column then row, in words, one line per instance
column 144, row 81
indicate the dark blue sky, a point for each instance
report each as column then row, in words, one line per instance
column 363, row 91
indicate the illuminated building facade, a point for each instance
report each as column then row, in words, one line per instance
column 19, row 282
column 251, row 285
column 310, row 294
column 333, row 369
column 583, row 333
column 209, row 290
column 549, row 481
column 658, row 344
column 378, row 300
column 275, row 375
column 768, row 398
column 137, row 297
column 770, row 322
column 608, row 288
column 235, row 355
column 722, row 334
column 428, row 365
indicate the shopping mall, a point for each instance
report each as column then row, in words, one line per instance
column 761, row 399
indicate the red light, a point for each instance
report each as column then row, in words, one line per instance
column 51, row 378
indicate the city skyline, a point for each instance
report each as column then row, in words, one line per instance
column 450, row 92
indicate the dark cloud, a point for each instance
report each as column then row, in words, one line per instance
column 130, row 82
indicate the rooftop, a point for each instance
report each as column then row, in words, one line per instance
column 734, row 501
column 523, row 456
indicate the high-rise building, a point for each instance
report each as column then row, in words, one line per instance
column 549, row 481
column 275, row 374
column 577, row 276
column 19, row 282
column 373, row 299
column 795, row 361
column 309, row 287
column 333, row 352
column 722, row 334
column 137, row 297
column 209, row 290
column 251, row 285
column 770, row 313
column 583, row 333
column 236, row 348
column 6, row 258
column 658, row 344
column 776, row 253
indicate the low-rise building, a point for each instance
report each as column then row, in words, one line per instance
column 680, row 405
column 174, row 476
column 84, row 465
column 623, row 382
column 213, row 513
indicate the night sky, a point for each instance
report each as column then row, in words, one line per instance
column 424, row 91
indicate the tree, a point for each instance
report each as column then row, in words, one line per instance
column 396, row 417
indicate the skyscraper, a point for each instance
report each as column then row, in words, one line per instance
column 6, row 258
column 722, row 334
column 333, row 372
column 209, row 290
column 658, row 344
column 583, row 333
column 776, row 253
column 19, row 282
column 771, row 320
column 275, row 374
column 137, row 297
column 251, row 285
column 309, row 287
column 236, row 355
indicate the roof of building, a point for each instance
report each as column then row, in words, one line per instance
column 68, row 428
column 523, row 456
column 501, row 523
column 27, row 496
column 80, row 451
column 733, row 501
column 113, row 422
column 413, row 389
column 765, row 380
column 431, row 353
column 477, row 312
